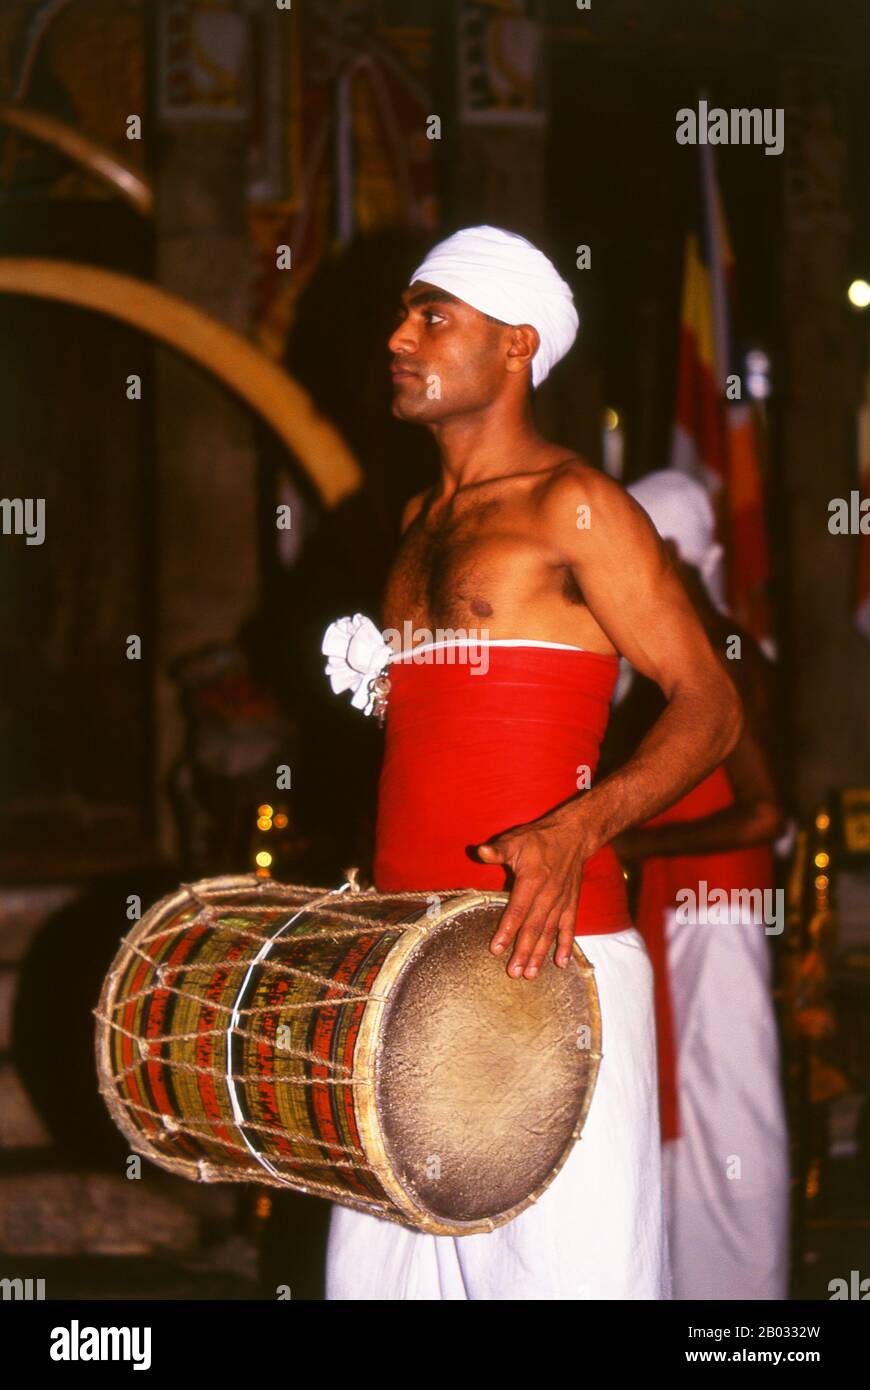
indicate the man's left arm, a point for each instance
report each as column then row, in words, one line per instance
column 639, row 602
column 754, row 817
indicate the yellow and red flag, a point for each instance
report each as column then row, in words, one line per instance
column 717, row 435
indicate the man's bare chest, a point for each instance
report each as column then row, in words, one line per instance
column 477, row 568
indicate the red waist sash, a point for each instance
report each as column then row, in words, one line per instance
column 469, row 754
column 661, row 880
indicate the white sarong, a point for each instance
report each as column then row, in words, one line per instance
column 726, row 1178
column 597, row 1232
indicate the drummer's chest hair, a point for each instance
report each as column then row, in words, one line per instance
column 437, row 572
column 463, row 566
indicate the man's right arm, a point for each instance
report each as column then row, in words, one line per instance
column 640, row 604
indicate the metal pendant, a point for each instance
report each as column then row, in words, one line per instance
column 380, row 688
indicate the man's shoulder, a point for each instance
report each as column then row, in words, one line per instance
column 574, row 483
column 590, row 517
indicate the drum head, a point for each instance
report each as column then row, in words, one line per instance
column 482, row 1081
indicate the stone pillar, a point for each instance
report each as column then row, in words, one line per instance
column 205, row 461
column 494, row 170
column 827, row 662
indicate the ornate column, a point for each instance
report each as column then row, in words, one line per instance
column 830, row 732
column 206, row 549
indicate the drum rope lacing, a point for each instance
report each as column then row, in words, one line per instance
column 213, row 915
column 213, row 910
column 145, row 1045
column 235, row 1104
column 217, row 909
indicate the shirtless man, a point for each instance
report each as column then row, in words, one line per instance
column 549, row 556
column 497, row 539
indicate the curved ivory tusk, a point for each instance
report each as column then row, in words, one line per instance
column 97, row 159
column 265, row 386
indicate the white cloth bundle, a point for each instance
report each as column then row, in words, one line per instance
column 502, row 274
column 357, row 653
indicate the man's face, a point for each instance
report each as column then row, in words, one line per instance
column 445, row 356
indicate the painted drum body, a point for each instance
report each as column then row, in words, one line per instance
column 361, row 1046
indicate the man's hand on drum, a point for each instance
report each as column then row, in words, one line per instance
column 547, row 864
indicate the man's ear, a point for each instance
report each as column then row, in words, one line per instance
column 523, row 345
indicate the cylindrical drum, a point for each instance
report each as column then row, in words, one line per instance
column 355, row 1045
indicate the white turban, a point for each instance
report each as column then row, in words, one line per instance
column 501, row 274
column 680, row 509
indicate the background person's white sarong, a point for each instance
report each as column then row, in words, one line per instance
column 728, row 1235
column 598, row 1230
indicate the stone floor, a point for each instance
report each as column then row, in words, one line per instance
column 288, row 1249
column 69, row 1215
